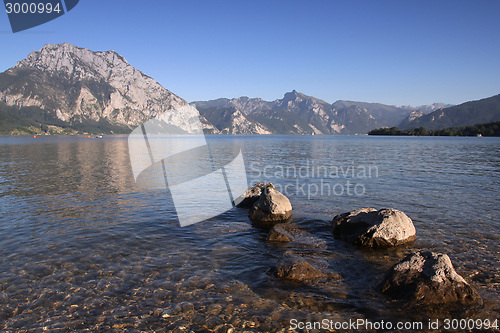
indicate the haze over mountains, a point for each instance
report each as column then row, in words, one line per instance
column 66, row 88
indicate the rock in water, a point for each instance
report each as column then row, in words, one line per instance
column 250, row 197
column 282, row 233
column 428, row 278
column 279, row 234
column 271, row 208
column 268, row 205
column 294, row 267
column 371, row 228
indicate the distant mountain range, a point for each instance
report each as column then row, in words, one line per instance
column 297, row 113
column 467, row 114
column 65, row 89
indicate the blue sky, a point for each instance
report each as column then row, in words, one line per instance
column 392, row 52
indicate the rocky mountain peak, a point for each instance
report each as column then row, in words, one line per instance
column 294, row 96
column 64, row 56
column 74, row 84
column 79, row 63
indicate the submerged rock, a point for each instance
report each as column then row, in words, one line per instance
column 428, row 278
column 269, row 206
column 279, row 234
column 294, row 267
column 371, row 228
column 288, row 233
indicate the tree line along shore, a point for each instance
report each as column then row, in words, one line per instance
column 487, row 129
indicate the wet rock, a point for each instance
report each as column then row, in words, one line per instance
column 288, row 233
column 213, row 322
column 250, row 197
column 177, row 309
column 294, row 267
column 428, row 278
column 225, row 328
column 486, row 278
column 271, row 208
column 279, row 234
column 214, row 309
column 368, row 227
column 268, row 205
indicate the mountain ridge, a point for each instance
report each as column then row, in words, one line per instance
column 480, row 111
column 65, row 87
column 298, row 113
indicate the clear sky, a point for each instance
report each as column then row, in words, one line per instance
column 393, row 52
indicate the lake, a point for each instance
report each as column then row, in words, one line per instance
column 82, row 246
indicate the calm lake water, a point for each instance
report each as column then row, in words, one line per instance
column 82, row 247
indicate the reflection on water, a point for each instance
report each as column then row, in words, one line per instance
column 83, row 247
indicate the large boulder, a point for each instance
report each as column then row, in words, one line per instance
column 368, row 227
column 428, row 278
column 272, row 207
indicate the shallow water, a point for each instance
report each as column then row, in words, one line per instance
column 83, row 247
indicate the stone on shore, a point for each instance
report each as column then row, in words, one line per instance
column 368, row 227
column 428, row 278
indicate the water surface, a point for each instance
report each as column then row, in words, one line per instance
column 83, row 247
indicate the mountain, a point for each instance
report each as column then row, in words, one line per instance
column 420, row 111
column 244, row 104
column 64, row 86
column 470, row 113
column 433, row 107
column 300, row 114
column 411, row 117
column 297, row 113
column 427, row 108
column 380, row 113
column 230, row 120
